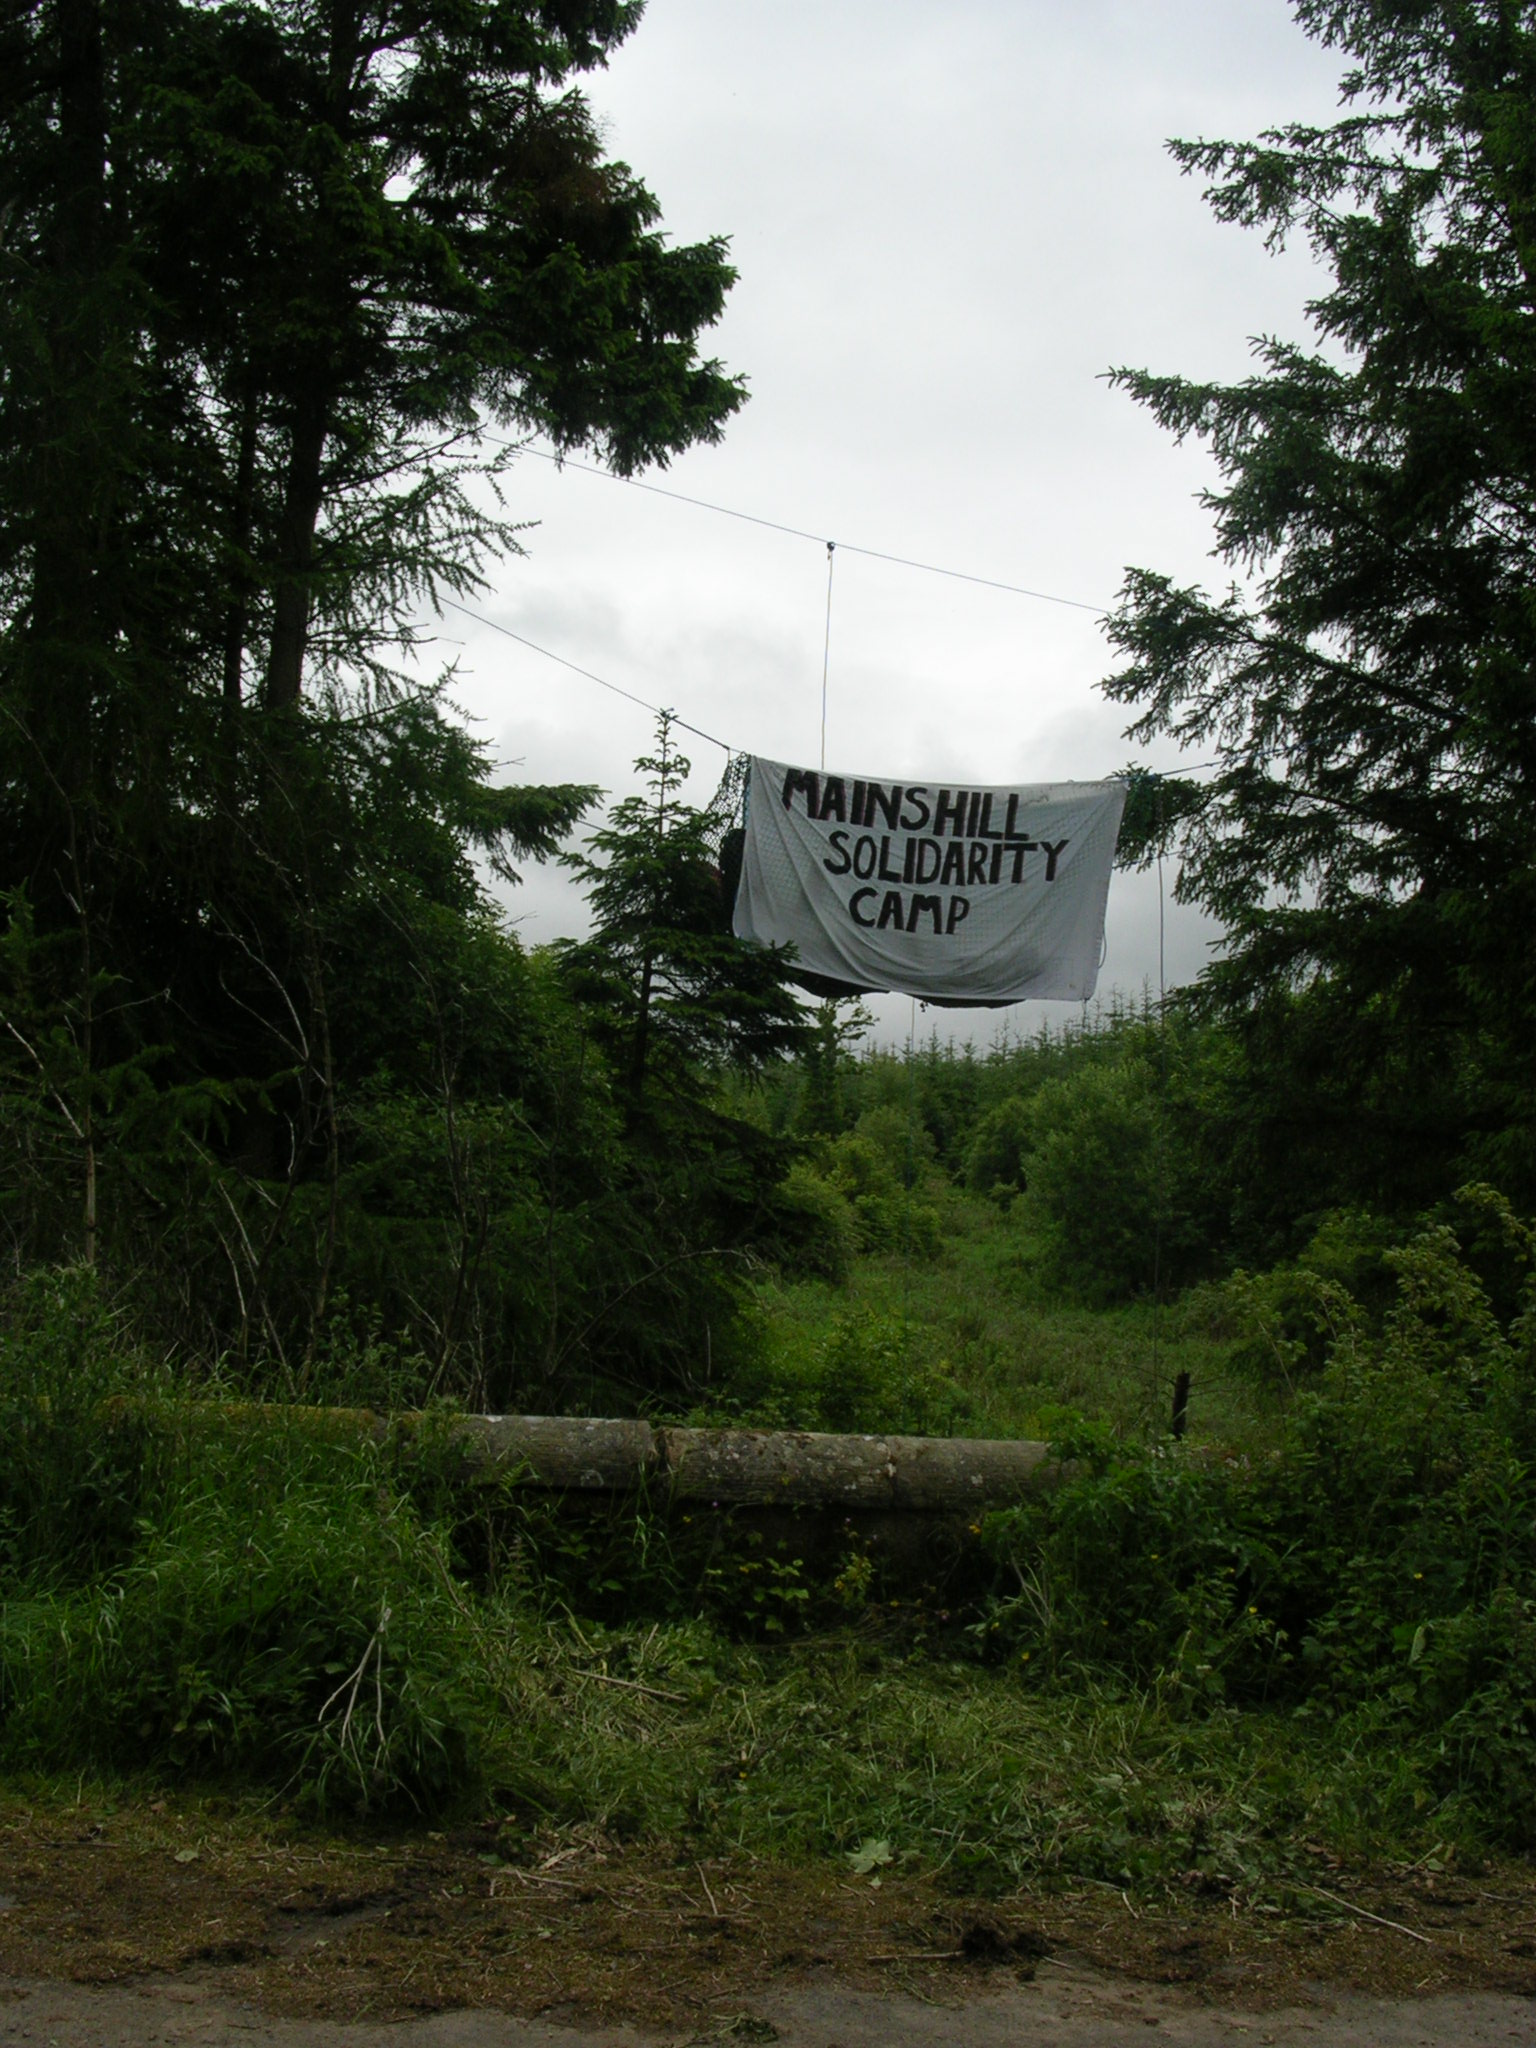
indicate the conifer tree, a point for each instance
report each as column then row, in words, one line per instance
column 1368, row 685
column 271, row 275
column 674, row 988
column 274, row 279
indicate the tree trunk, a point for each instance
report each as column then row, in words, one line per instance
column 242, row 515
column 67, row 480
column 296, row 552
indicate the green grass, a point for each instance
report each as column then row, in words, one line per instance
column 814, row 1749
column 973, row 1316
column 1167, row 1664
column 291, row 1620
column 844, row 1748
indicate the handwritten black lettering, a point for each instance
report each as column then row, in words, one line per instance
column 917, row 797
column 887, row 802
column 808, row 783
column 834, row 801
column 949, row 807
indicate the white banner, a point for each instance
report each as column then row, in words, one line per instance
column 949, row 894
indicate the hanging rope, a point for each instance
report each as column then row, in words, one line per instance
column 1160, row 1164
column 906, row 1234
column 826, row 655
column 656, row 710
column 634, row 483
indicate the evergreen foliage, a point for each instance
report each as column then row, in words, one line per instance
column 1368, row 691
column 283, row 1101
column 271, row 276
column 679, row 992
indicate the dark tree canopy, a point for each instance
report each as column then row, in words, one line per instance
column 269, row 272
column 1369, row 685
column 281, row 284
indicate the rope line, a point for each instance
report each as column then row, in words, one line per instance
column 826, row 655
column 658, row 711
column 906, row 1250
column 803, row 533
column 591, row 675
column 1160, row 1161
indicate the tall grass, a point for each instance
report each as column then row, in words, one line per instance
column 1174, row 1662
column 80, row 1452
column 284, row 1616
column 197, row 1591
column 813, row 1749
column 964, row 1338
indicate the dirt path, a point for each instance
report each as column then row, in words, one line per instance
column 200, row 1927
column 1091, row 2011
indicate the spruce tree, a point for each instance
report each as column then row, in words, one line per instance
column 272, row 277
column 1368, row 685
column 673, row 992
column 274, row 281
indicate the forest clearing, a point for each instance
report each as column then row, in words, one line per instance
column 323, row 1169
column 1081, row 1719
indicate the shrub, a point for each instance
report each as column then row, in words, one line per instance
column 855, row 1372
column 994, row 1159
column 79, row 1440
column 283, row 1615
column 1380, row 1571
column 1284, row 1321
column 867, row 1166
column 1093, row 1180
column 900, row 1138
column 817, row 1228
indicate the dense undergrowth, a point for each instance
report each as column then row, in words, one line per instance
column 1180, row 1661
column 1311, row 1618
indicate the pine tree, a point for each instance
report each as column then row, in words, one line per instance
column 272, row 281
column 678, row 994
column 1369, row 689
column 270, row 276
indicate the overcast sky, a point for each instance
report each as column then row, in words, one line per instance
column 950, row 222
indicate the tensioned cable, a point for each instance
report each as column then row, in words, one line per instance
column 657, row 710
column 826, row 655
column 797, row 533
column 1160, row 1160
column 801, row 532
column 590, row 674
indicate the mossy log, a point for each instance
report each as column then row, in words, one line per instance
column 758, row 1467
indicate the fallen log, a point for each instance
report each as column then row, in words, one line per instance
column 792, row 1469
column 760, row 1468
column 562, row 1453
